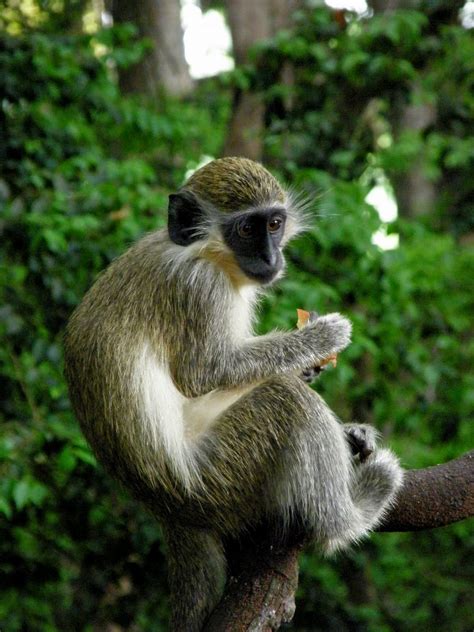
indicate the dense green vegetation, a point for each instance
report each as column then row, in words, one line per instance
column 85, row 171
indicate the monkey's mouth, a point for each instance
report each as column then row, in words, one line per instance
column 259, row 270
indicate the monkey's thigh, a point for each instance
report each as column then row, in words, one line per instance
column 278, row 450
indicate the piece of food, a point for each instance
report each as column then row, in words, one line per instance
column 303, row 318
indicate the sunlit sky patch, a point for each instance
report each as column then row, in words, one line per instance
column 207, row 40
column 360, row 6
column 384, row 241
column 467, row 15
column 381, row 197
column 383, row 202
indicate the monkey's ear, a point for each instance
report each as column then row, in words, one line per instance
column 184, row 216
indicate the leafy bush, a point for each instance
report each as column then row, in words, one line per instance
column 337, row 95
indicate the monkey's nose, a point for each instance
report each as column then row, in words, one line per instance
column 270, row 257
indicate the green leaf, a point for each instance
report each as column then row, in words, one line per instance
column 21, row 493
column 5, row 507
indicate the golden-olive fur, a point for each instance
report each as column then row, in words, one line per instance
column 234, row 184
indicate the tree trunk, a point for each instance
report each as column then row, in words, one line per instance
column 416, row 193
column 250, row 22
column 164, row 67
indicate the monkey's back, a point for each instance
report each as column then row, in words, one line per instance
column 116, row 367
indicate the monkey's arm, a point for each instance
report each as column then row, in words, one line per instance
column 217, row 361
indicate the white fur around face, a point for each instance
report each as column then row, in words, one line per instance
column 242, row 315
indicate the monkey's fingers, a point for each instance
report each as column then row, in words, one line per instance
column 305, row 318
column 360, row 439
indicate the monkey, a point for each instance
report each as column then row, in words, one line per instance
column 208, row 424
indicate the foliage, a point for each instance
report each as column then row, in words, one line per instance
column 86, row 171
column 337, row 93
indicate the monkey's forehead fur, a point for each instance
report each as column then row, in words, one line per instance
column 233, row 184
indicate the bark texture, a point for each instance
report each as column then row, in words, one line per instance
column 434, row 496
column 249, row 23
column 260, row 596
column 164, row 66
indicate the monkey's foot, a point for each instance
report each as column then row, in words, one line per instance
column 362, row 439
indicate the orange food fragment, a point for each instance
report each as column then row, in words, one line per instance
column 332, row 359
column 303, row 317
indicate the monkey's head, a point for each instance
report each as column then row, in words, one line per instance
column 241, row 210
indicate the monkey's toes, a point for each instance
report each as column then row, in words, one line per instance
column 310, row 374
column 362, row 439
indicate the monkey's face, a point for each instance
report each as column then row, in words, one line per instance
column 233, row 212
column 255, row 238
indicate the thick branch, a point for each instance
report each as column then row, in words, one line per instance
column 434, row 496
column 260, row 597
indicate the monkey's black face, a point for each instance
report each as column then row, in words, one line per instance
column 253, row 236
column 255, row 239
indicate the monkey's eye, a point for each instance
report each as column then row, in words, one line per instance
column 245, row 230
column 274, row 224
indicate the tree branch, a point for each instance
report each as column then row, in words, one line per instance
column 434, row 496
column 260, row 595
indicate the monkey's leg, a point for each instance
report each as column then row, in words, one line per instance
column 237, row 459
column 281, row 451
column 278, row 452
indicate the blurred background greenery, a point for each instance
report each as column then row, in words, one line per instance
column 366, row 112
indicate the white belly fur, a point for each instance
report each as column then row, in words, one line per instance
column 171, row 421
column 201, row 412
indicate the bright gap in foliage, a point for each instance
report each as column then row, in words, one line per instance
column 207, row 40
column 382, row 198
column 359, row 6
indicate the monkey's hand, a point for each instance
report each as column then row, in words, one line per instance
column 362, row 440
column 332, row 333
column 310, row 374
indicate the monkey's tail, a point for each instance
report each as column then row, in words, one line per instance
column 196, row 574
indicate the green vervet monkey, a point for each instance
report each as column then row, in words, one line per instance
column 209, row 425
